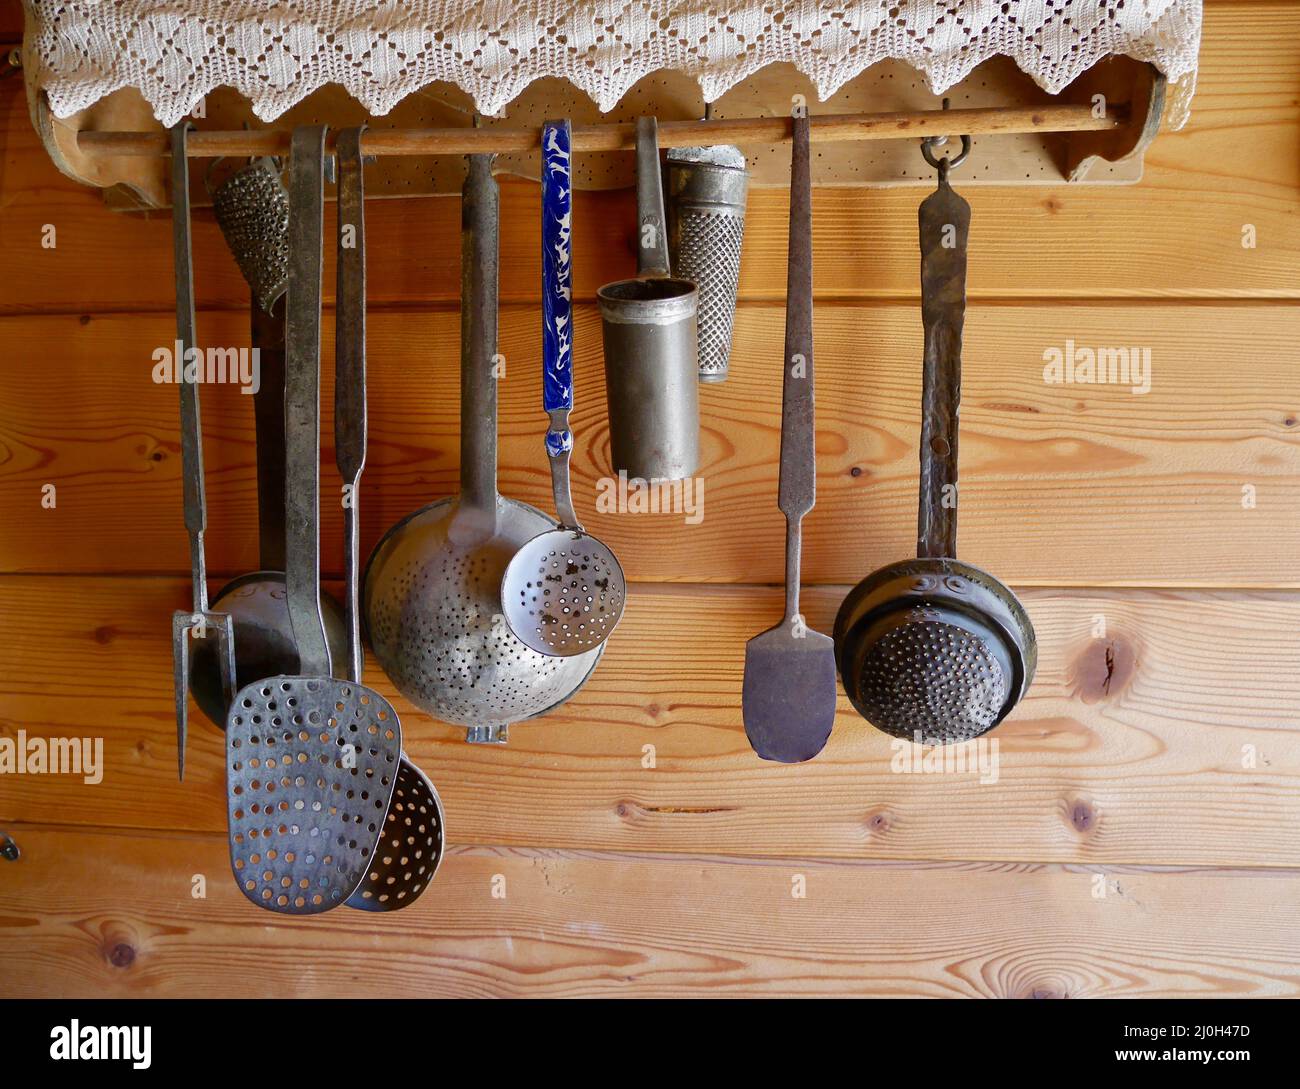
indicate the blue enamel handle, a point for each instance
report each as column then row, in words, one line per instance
column 557, row 281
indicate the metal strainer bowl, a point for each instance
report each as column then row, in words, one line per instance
column 935, row 648
column 432, row 593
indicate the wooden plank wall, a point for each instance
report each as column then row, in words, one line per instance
column 1141, row 835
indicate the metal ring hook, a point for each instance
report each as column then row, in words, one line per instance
column 947, row 161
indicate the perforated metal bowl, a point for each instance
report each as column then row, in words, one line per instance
column 934, row 650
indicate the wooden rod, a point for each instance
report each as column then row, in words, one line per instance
column 621, row 135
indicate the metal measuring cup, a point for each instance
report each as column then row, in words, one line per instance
column 651, row 348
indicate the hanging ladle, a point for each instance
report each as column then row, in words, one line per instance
column 563, row 592
column 933, row 649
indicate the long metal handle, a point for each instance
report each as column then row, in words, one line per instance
column 268, row 422
column 798, row 486
column 557, row 312
column 302, row 398
column 350, row 371
column 944, row 220
column 196, row 511
column 652, row 241
column 478, row 337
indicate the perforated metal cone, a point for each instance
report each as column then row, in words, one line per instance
column 563, row 593
column 706, row 209
column 931, row 678
column 311, row 764
column 252, row 210
column 409, row 850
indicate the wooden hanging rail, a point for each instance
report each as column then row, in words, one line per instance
column 621, row 136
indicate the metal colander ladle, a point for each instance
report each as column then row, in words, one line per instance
column 563, row 592
column 311, row 762
column 432, row 593
column 932, row 649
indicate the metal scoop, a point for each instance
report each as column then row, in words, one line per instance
column 432, row 589
column 311, row 762
column 252, row 209
column 651, row 350
column 201, row 620
column 932, row 649
column 788, row 700
column 409, row 850
column 563, row 592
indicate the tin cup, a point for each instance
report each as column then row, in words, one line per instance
column 651, row 344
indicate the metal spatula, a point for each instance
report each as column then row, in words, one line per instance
column 200, row 620
column 789, row 694
column 311, row 761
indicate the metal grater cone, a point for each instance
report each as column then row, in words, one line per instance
column 706, row 226
column 252, row 209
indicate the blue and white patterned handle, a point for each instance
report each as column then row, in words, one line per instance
column 557, row 285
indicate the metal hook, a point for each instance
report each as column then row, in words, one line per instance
column 944, row 163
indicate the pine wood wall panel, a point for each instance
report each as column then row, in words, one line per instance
column 1101, row 485
column 1156, row 757
column 608, row 925
column 1131, row 746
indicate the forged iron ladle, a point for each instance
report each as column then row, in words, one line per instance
column 933, row 649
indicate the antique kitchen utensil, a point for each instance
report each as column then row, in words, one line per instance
column 933, row 649
column 706, row 227
column 311, row 762
column 432, row 588
column 409, row 850
column 252, row 209
column 563, row 592
column 651, row 349
column 788, row 699
column 201, row 620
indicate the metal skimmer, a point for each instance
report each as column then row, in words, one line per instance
column 432, row 590
column 311, row 762
column 563, row 592
column 410, row 846
column 200, row 621
column 933, row 649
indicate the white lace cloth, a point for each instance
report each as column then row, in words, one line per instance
column 277, row 52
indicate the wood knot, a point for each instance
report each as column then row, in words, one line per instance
column 1082, row 816
column 122, row 955
column 878, row 823
column 1104, row 669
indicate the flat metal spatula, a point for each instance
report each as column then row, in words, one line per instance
column 789, row 693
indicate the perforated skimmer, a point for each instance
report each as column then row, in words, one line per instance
column 564, row 590
column 432, row 591
column 311, row 762
column 409, row 850
column 933, row 649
